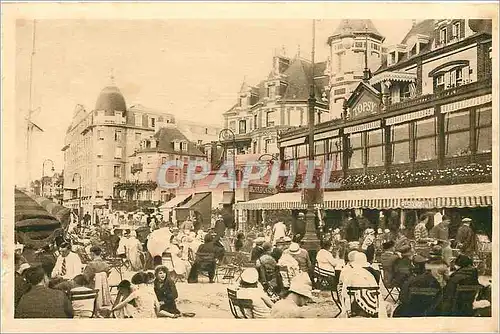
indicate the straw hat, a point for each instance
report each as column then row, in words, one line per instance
column 466, row 220
column 23, row 267
column 360, row 260
column 301, row 285
column 294, row 248
column 260, row 240
column 250, row 276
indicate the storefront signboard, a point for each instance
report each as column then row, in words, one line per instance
column 416, row 204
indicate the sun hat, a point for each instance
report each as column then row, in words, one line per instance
column 466, row 220
column 301, row 285
column 360, row 260
column 260, row 240
column 294, row 248
column 267, row 246
column 250, row 276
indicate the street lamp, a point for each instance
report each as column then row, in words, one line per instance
column 224, row 136
column 80, row 196
column 43, row 171
column 310, row 239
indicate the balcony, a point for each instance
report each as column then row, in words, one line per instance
column 101, row 119
column 136, row 168
column 419, row 100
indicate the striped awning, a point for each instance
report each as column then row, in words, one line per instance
column 281, row 201
column 475, row 101
column 175, row 201
column 410, row 117
column 394, row 76
column 293, row 142
column 362, row 127
column 451, row 196
column 327, row 134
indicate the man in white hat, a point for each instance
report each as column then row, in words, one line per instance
column 299, row 294
column 249, row 289
column 301, row 256
column 466, row 238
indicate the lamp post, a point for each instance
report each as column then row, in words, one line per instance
column 224, row 136
column 80, row 194
column 43, row 171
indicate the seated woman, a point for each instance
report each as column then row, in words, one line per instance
column 249, row 289
column 125, row 289
column 146, row 301
column 166, row 292
column 324, row 259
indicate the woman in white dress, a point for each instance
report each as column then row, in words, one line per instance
column 134, row 249
column 147, row 305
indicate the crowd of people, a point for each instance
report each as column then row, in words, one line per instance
column 277, row 273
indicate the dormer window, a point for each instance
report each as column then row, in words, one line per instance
column 456, row 30
column 184, row 146
column 271, row 91
column 439, row 83
column 177, row 146
column 442, row 36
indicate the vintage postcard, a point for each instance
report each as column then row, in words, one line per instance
column 249, row 167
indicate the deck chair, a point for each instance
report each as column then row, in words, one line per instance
column 89, row 295
column 328, row 281
column 240, row 308
column 463, row 299
column 364, row 302
column 228, row 267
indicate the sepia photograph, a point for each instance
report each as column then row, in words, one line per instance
column 221, row 162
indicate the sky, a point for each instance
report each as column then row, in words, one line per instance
column 190, row 68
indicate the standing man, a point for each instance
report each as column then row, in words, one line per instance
column 441, row 231
column 466, row 238
column 299, row 227
column 279, row 231
column 68, row 264
column 86, row 219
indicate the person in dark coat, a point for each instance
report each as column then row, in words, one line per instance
column 40, row 301
column 413, row 307
column 299, row 226
column 441, row 230
column 20, row 284
column 257, row 251
column 466, row 238
column 166, row 292
column 208, row 247
column 465, row 274
column 352, row 231
column 402, row 267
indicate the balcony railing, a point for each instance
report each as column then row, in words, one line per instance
column 462, row 89
column 136, row 168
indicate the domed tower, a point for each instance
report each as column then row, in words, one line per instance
column 348, row 44
column 110, row 100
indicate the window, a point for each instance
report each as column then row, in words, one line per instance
column 271, row 91
column 334, row 147
column 163, row 160
column 404, row 93
column 458, row 77
column 442, row 36
column 270, row 118
column 302, row 151
column 117, row 171
column 375, row 148
column 99, row 171
column 152, row 122
column 99, row 194
column 243, row 126
column 456, row 30
column 425, row 139
column 267, row 147
column 138, row 120
column 118, row 135
column 483, row 130
column 100, row 134
column 439, row 83
column 457, row 134
column 255, row 126
column 100, row 151
column 400, row 141
column 118, row 152
column 184, row 146
column 137, row 136
column 356, row 159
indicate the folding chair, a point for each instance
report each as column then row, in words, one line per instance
column 328, row 280
column 85, row 295
column 117, row 265
column 205, row 261
column 389, row 287
column 228, row 267
column 240, row 308
column 364, row 302
column 463, row 299
column 285, row 276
